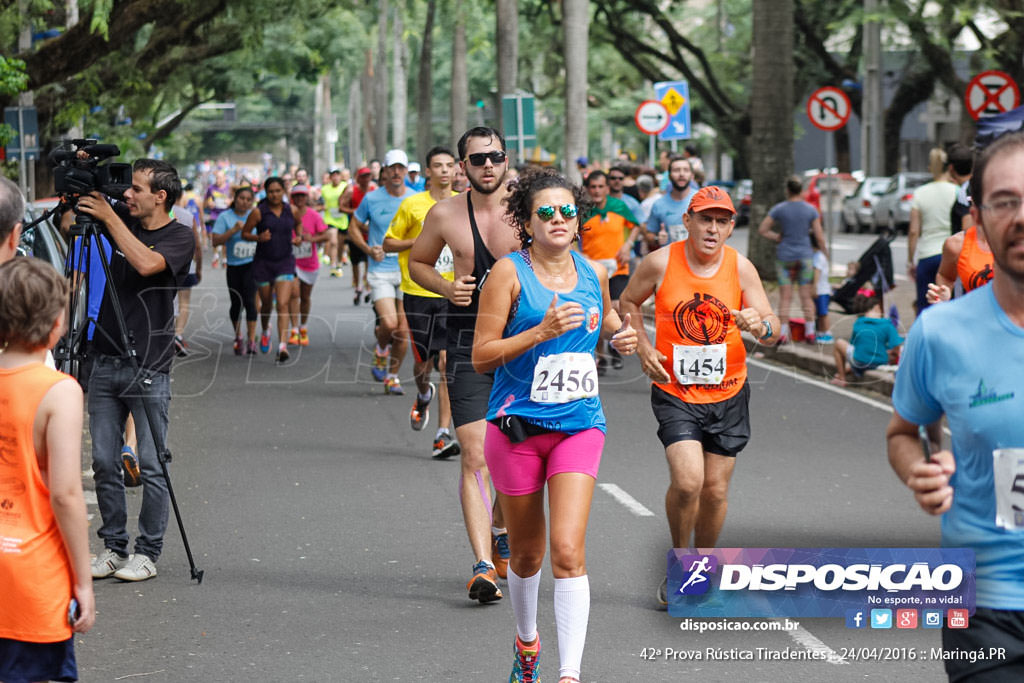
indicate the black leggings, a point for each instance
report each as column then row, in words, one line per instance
column 242, row 289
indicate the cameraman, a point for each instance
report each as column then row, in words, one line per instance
column 150, row 260
column 12, row 212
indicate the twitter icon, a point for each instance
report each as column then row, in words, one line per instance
column 881, row 618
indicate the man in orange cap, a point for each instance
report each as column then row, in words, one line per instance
column 706, row 293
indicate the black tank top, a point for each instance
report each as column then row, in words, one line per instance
column 461, row 320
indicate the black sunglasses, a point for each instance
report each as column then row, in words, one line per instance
column 547, row 212
column 480, row 158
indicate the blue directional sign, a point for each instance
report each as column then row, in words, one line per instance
column 675, row 95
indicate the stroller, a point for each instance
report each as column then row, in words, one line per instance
column 875, row 267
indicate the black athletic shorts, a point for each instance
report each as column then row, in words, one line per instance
column 468, row 391
column 617, row 285
column 998, row 635
column 722, row 428
column 426, row 316
column 355, row 254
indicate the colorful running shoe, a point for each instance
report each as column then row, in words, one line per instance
column 484, row 584
column 337, row 272
column 303, row 336
column 500, row 554
column 420, row 415
column 239, row 346
column 130, row 465
column 825, row 338
column 379, row 370
column 445, row 446
column 393, row 387
column 525, row 665
column 265, row 341
column 293, row 338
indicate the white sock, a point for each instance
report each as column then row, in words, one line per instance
column 386, row 351
column 441, row 431
column 809, row 327
column 423, row 397
column 572, row 612
column 495, row 531
column 523, row 593
column 784, row 332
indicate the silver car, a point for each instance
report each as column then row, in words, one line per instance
column 892, row 210
column 858, row 212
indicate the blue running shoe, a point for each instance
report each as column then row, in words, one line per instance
column 525, row 667
column 379, row 369
column 484, row 584
column 500, row 553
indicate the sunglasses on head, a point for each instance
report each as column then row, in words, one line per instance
column 480, row 158
column 547, row 212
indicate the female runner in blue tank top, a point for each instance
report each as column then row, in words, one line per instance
column 275, row 226
column 542, row 312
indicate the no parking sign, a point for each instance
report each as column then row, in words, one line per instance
column 990, row 93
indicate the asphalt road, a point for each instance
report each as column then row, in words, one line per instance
column 334, row 549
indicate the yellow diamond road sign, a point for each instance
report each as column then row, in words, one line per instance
column 673, row 101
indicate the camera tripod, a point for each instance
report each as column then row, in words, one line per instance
column 71, row 350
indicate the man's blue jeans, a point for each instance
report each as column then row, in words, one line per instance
column 114, row 391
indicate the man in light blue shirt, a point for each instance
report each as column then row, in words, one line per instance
column 965, row 359
column 666, row 217
column 384, row 277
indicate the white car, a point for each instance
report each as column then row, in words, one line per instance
column 892, row 210
column 858, row 212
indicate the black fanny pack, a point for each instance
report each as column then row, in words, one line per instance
column 517, row 429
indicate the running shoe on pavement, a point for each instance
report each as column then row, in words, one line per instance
column 106, row 563
column 366, row 297
column 420, row 415
column 239, row 346
column 293, row 338
column 138, row 568
column 484, row 584
column 616, row 357
column 303, row 336
column 337, row 272
column 445, row 446
column 500, row 553
column 379, row 370
column 251, row 350
column 282, row 353
column 525, row 665
column 265, row 342
column 663, row 592
column 393, row 387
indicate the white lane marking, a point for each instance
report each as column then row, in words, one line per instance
column 805, row 638
column 628, row 501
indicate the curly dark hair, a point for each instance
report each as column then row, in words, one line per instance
column 529, row 183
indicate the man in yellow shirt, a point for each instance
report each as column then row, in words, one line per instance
column 425, row 310
column 336, row 220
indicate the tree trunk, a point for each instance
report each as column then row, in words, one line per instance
column 460, row 78
column 399, row 94
column 424, row 85
column 354, row 159
column 370, row 119
column 380, row 100
column 771, row 144
column 506, row 33
column 576, row 23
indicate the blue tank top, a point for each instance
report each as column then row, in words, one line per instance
column 510, row 394
column 281, row 227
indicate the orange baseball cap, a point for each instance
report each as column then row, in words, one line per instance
column 711, row 197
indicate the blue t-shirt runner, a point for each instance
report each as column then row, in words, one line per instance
column 376, row 211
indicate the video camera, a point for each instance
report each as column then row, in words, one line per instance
column 76, row 175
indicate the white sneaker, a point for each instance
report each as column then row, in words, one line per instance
column 138, row 568
column 106, row 563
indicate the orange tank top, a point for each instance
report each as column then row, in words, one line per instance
column 974, row 265
column 35, row 571
column 602, row 238
column 692, row 311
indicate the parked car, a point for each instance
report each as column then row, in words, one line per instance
column 822, row 188
column 858, row 214
column 42, row 240
column 741, row 193
column 892, row 210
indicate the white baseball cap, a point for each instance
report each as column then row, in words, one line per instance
column 414, row 167
column 396, row 156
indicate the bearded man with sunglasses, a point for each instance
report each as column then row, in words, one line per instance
column 705, row 294
column 473, row 225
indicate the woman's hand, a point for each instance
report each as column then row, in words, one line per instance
column 560, row 319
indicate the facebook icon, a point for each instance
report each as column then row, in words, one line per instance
column 855, row 618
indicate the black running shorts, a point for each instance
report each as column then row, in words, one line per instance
column 426, row 316
column 722, row 428
column 616, row 286
column 468, row 391
column 999, row 634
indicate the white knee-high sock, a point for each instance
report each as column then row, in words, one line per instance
column 523, row 593
column 572, row 612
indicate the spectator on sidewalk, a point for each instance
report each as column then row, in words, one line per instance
column 873, row 342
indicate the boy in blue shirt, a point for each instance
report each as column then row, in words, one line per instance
column 873, row 338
